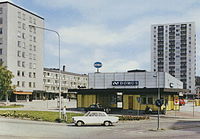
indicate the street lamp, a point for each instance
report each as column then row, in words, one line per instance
column 33, row 26
column 157, row 84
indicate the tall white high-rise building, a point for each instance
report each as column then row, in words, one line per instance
column 173, row 50
column 21, row 46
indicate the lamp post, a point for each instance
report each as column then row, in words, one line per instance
column 33, row 26
column 157, row 84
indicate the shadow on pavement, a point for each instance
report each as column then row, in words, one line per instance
column 187, row 125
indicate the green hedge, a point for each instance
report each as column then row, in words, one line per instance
column 12, row 106
column 38, row 115
column 132, row 117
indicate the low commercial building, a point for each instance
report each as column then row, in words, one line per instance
column 130, row 91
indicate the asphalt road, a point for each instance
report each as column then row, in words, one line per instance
column 172, row 128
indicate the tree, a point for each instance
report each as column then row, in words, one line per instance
column 5, row 83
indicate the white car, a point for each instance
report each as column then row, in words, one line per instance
column 95, row 118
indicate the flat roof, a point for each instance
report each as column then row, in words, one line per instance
column 21, row 8
column 130, row 90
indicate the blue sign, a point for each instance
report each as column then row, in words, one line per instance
column 97, row 64
column 125, row 83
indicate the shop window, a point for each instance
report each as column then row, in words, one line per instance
column 150, row 100
column 143, row 100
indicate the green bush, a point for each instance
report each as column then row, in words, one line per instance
column 38, row 115
column 132, row 117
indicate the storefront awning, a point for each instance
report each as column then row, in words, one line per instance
column 22, row 93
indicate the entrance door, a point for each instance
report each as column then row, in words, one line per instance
column 130, row 102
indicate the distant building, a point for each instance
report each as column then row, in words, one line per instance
column 173, row 50
column 69, row 80
column 21, row 47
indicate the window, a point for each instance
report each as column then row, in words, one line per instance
column 1, row 51
column 34, row 75
column 34, row 66
column 30, row 47
column 30, row 56
column 1, row 41
column 33, row 84
column 19, row 63
column 34, row 56
column 34, row 48
column 24, row 17
column 30, row 19
column 19, row 53
column 1, row 10
column 23, row 35
column 24, row 26
column 23, row 84
column 19, row 24
column 19, row 34
column 1, row 30
column 29, row 84
column 34, row 38
column 23, row 54
column 18, row 73
column 18, row 83
column 24, row 45
column 1, row 61
column 19, row 43
column 19, row 14
column 30, row 65
column 30, row 37
column 143, row 100
column 150, row 100
column 29, row 74
column 1, row 20
column 34, row 21
column 23, row 74
column 23, row 64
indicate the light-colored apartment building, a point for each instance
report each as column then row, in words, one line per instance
column 21, row 46
column 173, row 50
column 69, row 80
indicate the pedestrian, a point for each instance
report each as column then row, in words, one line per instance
column 64, row 114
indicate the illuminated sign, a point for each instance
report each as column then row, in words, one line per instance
column 125, row 83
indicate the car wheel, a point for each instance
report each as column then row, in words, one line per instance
column 79, row 123
column 107, row 123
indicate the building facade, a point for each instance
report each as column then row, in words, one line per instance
column 130, row 91
column 173, row 50
column 69, row 80
column 21, row 47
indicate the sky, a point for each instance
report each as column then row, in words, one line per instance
column 114, row 32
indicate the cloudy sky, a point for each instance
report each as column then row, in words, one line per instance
column 115, row 32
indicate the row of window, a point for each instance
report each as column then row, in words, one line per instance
column 23, row 64
column 52, row 75
column 23, row 54
column 23, row 84
column 24, row 27
column 23, row 44
column 24, row 17
column 30, row 74
column 23, row 36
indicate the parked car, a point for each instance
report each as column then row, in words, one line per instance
column 95, row 118
column 97, row 107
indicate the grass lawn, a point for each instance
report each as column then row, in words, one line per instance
column 12, row 106
column 37, row 115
